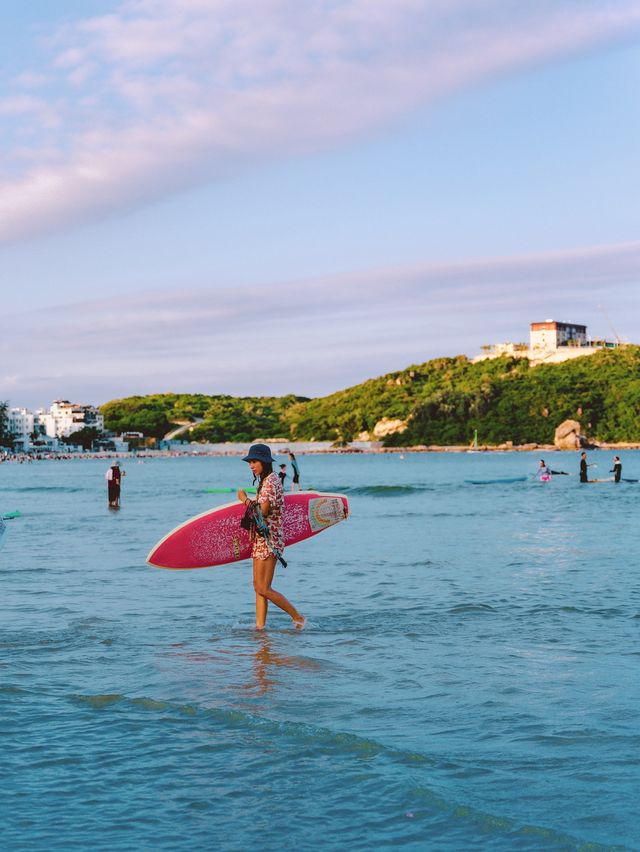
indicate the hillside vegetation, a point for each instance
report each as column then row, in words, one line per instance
column 226, row 418
column 440, row 402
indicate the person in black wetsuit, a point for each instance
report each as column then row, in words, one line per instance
column 283, row 473
column 583, row 467
column 617, row 469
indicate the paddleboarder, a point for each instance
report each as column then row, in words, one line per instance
column 267, row 537
column 617, row 469
column 583, row 467
column 114, row 478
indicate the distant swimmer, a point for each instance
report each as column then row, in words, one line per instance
column 114, row 478
column 583, row 467
column 617, row 469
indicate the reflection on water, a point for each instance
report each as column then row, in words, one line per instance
column 268, row 663
column 252, row 668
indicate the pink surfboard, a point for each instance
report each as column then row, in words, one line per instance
column 216, row 537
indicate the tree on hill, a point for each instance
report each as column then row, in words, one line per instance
column 5, row 438
column 225, row 418
column 82, row 437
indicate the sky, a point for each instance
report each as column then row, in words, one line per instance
column 268, row 197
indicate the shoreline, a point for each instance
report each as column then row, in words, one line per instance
column 22, row 458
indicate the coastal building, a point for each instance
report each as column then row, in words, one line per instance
column 64, row 418
column 20, row 422
column 23, row 428
column 550, row 342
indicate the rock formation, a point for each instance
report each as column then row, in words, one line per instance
column 567, row 436
column 386, row 426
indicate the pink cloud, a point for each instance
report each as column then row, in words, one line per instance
column 160, row 96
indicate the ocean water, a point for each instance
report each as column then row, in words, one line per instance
column 468, row 677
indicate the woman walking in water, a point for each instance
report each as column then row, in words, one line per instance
column 265, row 549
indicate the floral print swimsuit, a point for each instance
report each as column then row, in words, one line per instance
column 272, row 491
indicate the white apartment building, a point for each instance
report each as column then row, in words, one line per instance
column 20, row 422
column 64, row 418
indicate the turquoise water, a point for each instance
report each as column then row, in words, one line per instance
column 468, row 678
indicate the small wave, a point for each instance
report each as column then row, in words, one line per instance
column 386, row 490
column 461, row 608
column 603, row 612
column 504, row 480
column 99, row 701
column 56, row 488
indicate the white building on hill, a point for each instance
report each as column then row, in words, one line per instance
column 550, row 342
column 64, row 418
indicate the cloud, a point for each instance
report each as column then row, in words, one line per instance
column 309, row 337
column 159, row 96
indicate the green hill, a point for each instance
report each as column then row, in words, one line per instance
column 440, row 402
column 226, row 418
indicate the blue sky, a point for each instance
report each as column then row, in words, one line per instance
column 224, row 196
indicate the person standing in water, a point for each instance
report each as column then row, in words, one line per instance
column 296, row 472
column 617, row 469
column 583, row 467
column 283, row 474
column 114, row 478
column 266, row 550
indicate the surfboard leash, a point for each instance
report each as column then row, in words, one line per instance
column 262, row 528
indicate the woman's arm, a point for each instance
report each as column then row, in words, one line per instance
column 265, row 505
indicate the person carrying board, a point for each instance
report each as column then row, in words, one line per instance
column 265, row 515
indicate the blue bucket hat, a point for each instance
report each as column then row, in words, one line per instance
column 259, row 452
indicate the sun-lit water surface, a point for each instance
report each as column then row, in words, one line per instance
column 468, row 678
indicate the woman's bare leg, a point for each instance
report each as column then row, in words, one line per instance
column 263, row 571
column 262, row 604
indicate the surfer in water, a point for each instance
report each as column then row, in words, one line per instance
column 265, row 550
column 545, row 473
column 583, row 467
column 617, row 469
